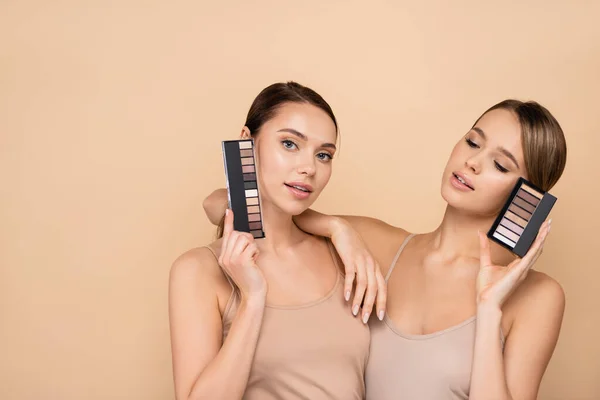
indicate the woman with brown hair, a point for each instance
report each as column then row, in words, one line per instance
column 266, row 319
column 465, row 317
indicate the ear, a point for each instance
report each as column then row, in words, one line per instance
column 245, row 134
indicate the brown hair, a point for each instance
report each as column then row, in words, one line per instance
column 267, row 103
column 543, row 140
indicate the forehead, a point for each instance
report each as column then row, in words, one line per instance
column 304, row 118
column 502, row 129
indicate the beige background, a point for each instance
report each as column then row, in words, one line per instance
column 111, row 115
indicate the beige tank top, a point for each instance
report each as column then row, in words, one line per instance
column 313, row 351
column 425, row 367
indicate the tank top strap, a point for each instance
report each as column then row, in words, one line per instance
column 395, row 260
column 234, row 290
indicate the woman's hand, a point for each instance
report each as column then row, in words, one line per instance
column 238, row 259
column 495, row 283
column 359, row 263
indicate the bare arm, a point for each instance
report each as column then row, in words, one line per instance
column 517, row 374
column 215, row 205
column 203, row 366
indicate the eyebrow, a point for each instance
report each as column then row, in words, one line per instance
column 304, row 137
column 501, row 149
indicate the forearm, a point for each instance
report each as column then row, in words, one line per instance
column 226, row 376
column 488, row 379
column 319, row 224
column 215, row 205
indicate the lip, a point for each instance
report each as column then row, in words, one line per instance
column 299, row 194
column 467, row 186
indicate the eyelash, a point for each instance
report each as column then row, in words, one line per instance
column 328, row 157
column 496, row 164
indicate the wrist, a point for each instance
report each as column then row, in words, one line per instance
column 489, row 313
column 337, row 225
column 255, row 301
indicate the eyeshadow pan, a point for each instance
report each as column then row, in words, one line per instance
column 533, row 191
column 523, row 204
column 245, row 144
column 512, row 226
column 252, row 193
column 250, row 185
column 253, row 217
column 249, row 177
column 528, row 197
column 252, row 201
column 504, row 240
column 506, row 233
column 247, row 168
column 520, row 212
column 247, row 160
column 516, row 219
column 253, row 209
column 257, row 234
column 246, row 153
column 255, row 225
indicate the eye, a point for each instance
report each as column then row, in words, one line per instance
column 500, row 167
column 472, row 143
column 324, row 156
column 288, row 144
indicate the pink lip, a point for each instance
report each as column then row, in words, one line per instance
column 459, row 185
column 299, row 194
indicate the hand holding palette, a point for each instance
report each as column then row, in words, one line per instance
column 519, row 222
column 242, row 186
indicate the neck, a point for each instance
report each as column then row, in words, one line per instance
column 280, row 230
column 456, row 236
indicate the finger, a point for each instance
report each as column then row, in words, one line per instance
column 349, row 280
column 361, row 286
column 251, row 251
column 371, row 291
column 381, row 294
column 228, row 223
column 241, row 242
column 484, row 250
column 228, row 248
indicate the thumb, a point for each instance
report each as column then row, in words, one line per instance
column 228, row 223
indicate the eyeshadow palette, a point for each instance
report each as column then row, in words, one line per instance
column 519, row 222
column 242, row 186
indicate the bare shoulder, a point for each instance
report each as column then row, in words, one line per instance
column 198, row 267
column 538, row 297
column 382, row 239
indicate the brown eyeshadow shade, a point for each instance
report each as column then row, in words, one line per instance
column 251, row 201
column 249, row 177
column 247, row 161
column 253, row 217
column 253, row 209
column 255, row 225
column 246, row 153
column 512, row 226
column 520, row 212
column 508, row 234
column 528, row 197
column 516, row 219
column 256, row 234
column 247, row 168
column 523, row 204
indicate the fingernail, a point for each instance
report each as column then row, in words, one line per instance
column 227, row 211
column 381, row 314
column 365, row 318
column 355, row 310
column 347, row 297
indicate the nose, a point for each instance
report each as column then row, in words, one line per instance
column 474, row 164
column 307, row 166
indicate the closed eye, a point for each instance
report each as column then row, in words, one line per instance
column 499, row 167
column 472, row 143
